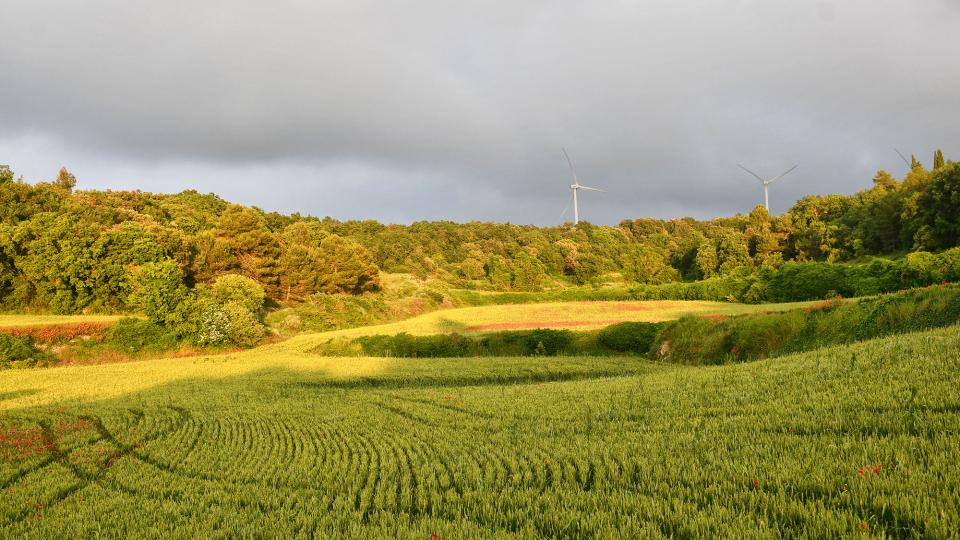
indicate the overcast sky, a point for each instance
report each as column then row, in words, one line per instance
column 411, row 110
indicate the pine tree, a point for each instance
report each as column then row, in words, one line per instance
column 937, row 159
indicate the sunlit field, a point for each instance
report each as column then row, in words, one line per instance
column 558, row 315
column 850, row 440
column 47, row 320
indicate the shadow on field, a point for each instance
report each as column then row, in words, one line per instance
column 533, row 377
column 268, row 383
column 4, row 396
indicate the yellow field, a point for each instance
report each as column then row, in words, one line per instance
column 558, row 315
column 47, row 320
column 44, row 386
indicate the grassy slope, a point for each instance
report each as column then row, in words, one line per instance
column 271, row 443
column 47, row 320
column 545, row 315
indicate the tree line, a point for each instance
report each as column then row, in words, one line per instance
column 67, row 250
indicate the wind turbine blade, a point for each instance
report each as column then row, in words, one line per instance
column 903, row 157
column 573, row 171
column 569, row 201
column 755, row 175
column 784, row 174
column 588, row 188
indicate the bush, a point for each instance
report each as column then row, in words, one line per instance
column 134, row 335
column 230, row 312
column 239, row 290
column 632, row 337
column 540, row 342
column 229, row 324
column 763, row 336
column 692, row 340
column 795, row 282
column 749, row 337
column 18, row 351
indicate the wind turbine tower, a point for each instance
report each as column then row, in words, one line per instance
column 766, row 183
column 574, row 188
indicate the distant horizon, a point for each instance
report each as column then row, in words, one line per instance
column 81, row 186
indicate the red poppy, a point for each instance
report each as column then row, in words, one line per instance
column 876, row 470
column 434, row 536
column 756, row 483
column 860, row 472
column 863, row 525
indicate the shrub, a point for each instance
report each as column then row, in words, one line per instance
column 239, row 290
column 692, row 340
column 541, row 342
column 229, row 324
column 229, row 312
column 806, row 281
column 763, row 336
column 633, row 337
column 749, row 337
column 18, row 351
column 134, row 335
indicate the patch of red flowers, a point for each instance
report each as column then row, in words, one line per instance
column 872, row 469
column 863, row 525
column 53, row 333
column 23, row 443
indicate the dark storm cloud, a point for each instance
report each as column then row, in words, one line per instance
column 457, row 110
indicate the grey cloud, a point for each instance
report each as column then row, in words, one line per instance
column 403, row 111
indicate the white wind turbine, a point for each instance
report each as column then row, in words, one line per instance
column 904, row 158
column 574, row 188
column 766, row 183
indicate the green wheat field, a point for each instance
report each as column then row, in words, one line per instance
column 855, row 440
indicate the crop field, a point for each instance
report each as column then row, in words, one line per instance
column 9, row 321
column 854, row 440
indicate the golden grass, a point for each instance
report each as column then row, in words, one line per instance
column 80, row 383
column 589, row 315
column 48, row 320
column 43, row 386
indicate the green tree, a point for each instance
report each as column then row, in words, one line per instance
column 936, row 213
column 644, row 264
column 707, row 259
column 159, row 293
column 915, row 163
column 938, row 159
column 313, row 261
column 65, row 180
column 244, row 232
column 499, row 272
column 528, row 273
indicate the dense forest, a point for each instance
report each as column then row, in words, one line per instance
column 67, row 250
